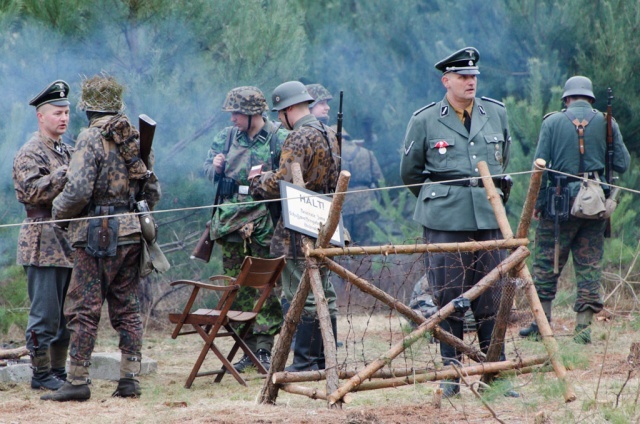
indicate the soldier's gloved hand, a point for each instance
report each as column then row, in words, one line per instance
column 609, row 207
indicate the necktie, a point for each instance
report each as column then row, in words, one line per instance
column 467, row 121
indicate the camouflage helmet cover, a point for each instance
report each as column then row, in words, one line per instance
column 319, row 93
column 578, row 86
column 101, row 93
column 288, row 94
column 247, row 100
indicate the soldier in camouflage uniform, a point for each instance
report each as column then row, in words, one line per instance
column 104, row 178
column 359, row 208
column 584, row 238
column 445, row 141
column 246, row 230
column 39, row 174
column 319, row 107
column 315, row 147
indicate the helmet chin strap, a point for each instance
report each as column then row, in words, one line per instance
column 249, row 123
column 286, row 118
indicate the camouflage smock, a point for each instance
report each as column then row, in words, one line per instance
column 97, row 177
column 243, row 154
column 365, row 174
column 37, row 184
column 320, row 166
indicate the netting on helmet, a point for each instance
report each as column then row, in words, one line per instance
column 101, row 93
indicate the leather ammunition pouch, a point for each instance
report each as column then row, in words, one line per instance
column 229, row 187
column 102, row 233
column 557, row 204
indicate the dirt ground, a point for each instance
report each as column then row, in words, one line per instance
column 598, row 374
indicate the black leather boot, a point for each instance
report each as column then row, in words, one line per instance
column 128, row 385
column 302, row 357
column 485, row 331
column 451, row 386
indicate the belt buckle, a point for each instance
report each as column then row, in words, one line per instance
column 243, row 189
column 473, row 182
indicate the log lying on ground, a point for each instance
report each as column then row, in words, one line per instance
column 14, row 353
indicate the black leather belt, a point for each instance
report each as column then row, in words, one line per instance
column 39, row 213
column 468, row 182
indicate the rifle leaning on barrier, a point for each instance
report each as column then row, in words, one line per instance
column 339, row 124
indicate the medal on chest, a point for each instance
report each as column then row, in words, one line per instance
column 442, row 147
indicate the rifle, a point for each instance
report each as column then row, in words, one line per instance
column 560, row 204
column 147, row 127
column 608, row 170
column 339, row 124
column 204, row 247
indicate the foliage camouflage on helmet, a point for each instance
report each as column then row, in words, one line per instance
column 319, row 93
column 101, row 93
column 247, row 100
column 288, row 94
column 578, row 86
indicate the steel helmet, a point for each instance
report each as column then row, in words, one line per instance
column 101, row 93
column 288, row 94
column 319, row 93
column 247, row 100
column 578, row 86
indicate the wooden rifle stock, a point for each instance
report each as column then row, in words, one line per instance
column 147, row 131
column 204, row 247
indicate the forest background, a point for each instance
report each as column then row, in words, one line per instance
column 179, row 59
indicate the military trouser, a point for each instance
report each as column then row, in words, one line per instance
column 584, row 238
column 291, row 280
column 270, row 318
column 450, row 274
column 87, row 293
column 47, row 288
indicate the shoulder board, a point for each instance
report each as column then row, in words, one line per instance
column 489, row 99
column 548, row 115
column 423, row 108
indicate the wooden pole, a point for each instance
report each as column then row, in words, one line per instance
column 539, row 165
column 484, row 284
column 395, row 304
column 523, row 273
column 469, row 246
column 16, row 353
column 450, row 372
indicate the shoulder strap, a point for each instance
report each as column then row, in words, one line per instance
column 580, row 126
column 233, row 132
column 272, row 144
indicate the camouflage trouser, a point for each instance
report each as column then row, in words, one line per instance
column 584, row 238
column 291, row 280
column 270, row 319
column 87, row 293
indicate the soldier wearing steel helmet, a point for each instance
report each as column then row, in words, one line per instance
column 558, row 145
column 247, row 228
column 444, row 141
column 315, row 147
column 39, row 175
column 319, row 107
column 104, row 175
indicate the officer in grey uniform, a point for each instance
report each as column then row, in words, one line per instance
column 444, row 141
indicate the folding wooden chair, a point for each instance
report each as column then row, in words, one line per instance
column 261, row 274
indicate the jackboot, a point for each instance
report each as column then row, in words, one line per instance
column 307, row 346
column 128, row 385
column 485, row 332
column 76, row 388
column 59, row 361
column 533, row 331
column 317, row 352
column 451, row 386
column 42, row 377
column 582, row 332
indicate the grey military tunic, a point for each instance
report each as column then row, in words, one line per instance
column 438, row 147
